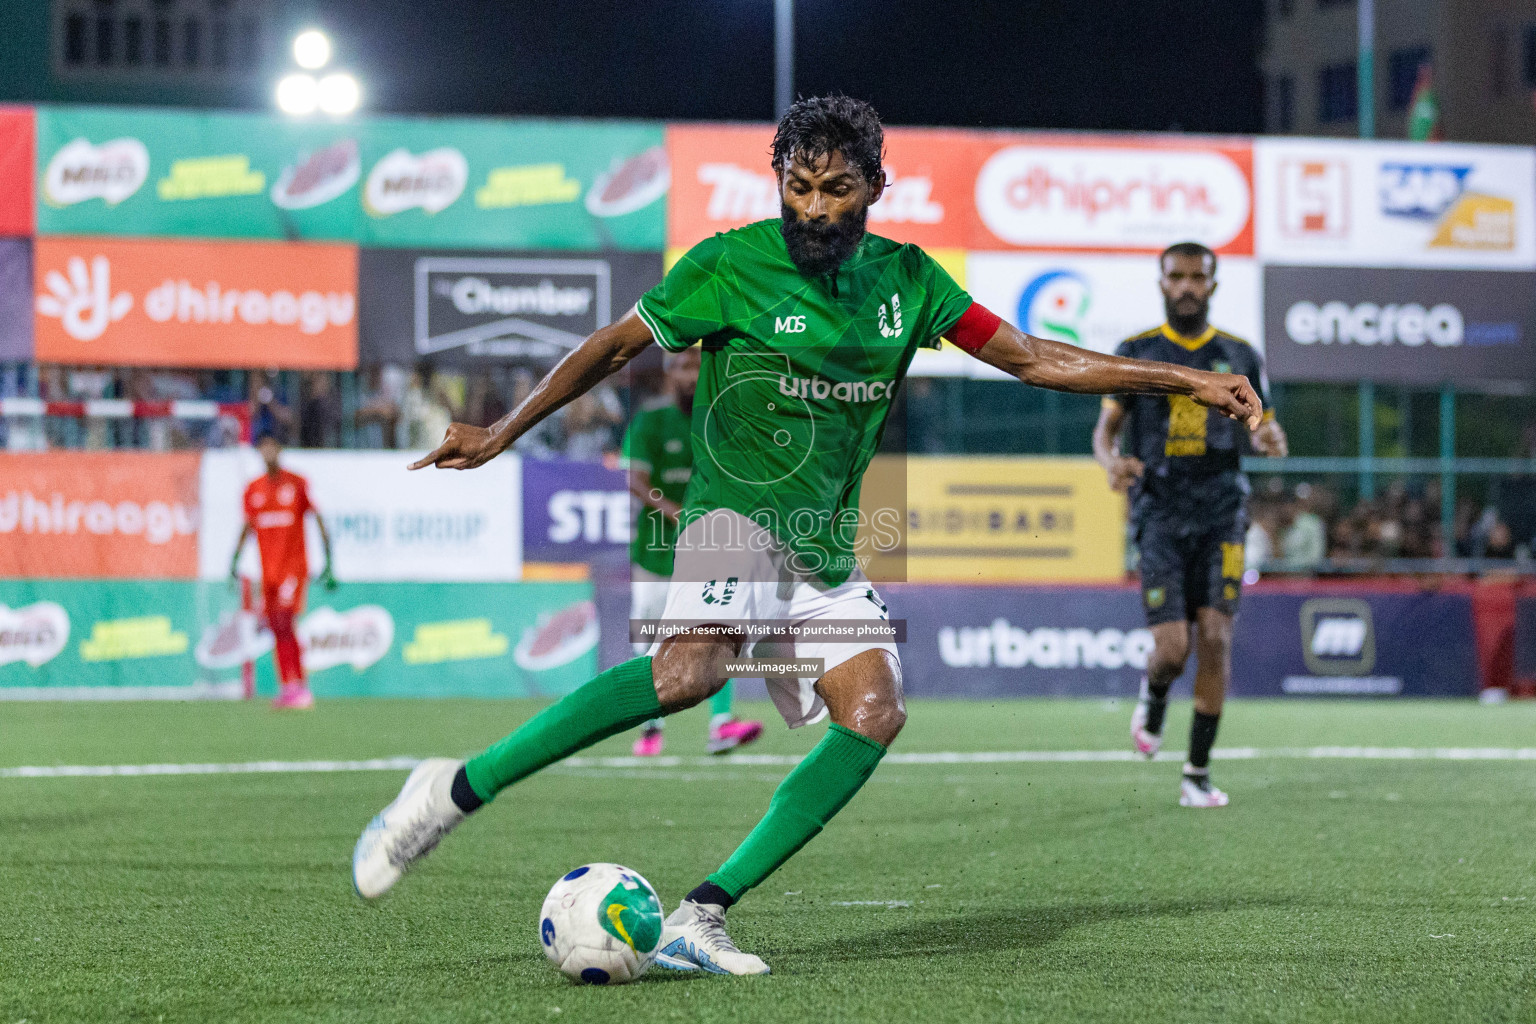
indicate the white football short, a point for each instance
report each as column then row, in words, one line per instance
column 647, row 598
column 729, row 570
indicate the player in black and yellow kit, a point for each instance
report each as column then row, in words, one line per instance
column 1188, row 507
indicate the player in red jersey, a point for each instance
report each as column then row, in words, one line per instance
column 274, row 505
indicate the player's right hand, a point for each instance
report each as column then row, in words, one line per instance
column 1123, row 472
column 464, row 447
column 1229, row 394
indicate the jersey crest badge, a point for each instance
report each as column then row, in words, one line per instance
column 890, row 319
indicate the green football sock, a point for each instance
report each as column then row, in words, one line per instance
column 618, row 699
column 720, row 703
column 805, row 801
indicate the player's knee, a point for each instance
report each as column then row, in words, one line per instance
column 1169, row 655
column 879, row 720
column 685, row 674
column 1214, row 632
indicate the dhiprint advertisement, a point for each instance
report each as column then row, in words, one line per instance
column 1112, row 193
column 198, row 304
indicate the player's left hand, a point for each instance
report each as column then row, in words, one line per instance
column 1270, row 440
column 327, row 578
column 1229, row 394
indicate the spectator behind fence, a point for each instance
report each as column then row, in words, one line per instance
column 320, row 414
column 1304, row 544
column 428, row 408
column 271, row 409
column 590, row 424
column 380, row 397
column 543, row 441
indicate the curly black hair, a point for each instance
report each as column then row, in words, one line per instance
column 817, row 126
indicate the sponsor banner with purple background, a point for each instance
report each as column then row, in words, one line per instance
column 15, row 299
column 1405, row 326
column 1525, row 638
column 574, row 511
column 969, row 641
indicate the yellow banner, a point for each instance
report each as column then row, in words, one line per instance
column 1001, row 519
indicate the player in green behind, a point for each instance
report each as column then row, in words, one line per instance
column 658, row 453
column 808, row 325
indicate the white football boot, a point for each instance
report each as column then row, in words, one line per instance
column 694, row 938
column 1147, row 744
column 408, row 829
column 1196, row 790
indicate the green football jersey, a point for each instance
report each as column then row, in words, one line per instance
column 658, row 441
column 797, row 378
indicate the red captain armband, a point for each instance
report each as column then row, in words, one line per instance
column 975, row 328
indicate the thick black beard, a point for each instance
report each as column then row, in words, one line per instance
column 818, row 249
column 1190, row 324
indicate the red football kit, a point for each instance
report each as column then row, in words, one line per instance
column 274, row 510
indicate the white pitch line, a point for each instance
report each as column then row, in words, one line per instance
column 58, row 771
column 402, row 763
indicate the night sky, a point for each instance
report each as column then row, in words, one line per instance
column 1109, row 64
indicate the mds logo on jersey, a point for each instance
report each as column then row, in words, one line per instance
column 789, row 324
column 1338, row 637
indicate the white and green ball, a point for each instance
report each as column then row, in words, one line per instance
column 601, row 924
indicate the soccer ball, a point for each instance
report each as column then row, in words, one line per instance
column 601, row 924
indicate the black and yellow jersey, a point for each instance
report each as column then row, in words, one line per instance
column 1192, row 454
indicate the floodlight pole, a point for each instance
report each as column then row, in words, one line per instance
column 1365, row 69
column 1365, row 114
column 783, row 56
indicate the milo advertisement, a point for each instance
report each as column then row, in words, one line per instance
column 455, row 182
column 186, row 640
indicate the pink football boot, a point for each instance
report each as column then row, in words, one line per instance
column 294, row 697
column 727, row 733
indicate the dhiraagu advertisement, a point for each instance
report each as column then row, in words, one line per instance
column 449, row 182
column 88, row 640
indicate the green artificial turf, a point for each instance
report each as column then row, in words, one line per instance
column 1331, row 890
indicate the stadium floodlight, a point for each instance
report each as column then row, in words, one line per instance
column 298, row 94
column 339, row 93
column 311, row 49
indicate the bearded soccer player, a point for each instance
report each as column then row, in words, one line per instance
column 275, row 504
column 808, row 325
column 1188, row 507
column 658, row 454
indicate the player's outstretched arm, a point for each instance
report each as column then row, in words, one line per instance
column 1061, row 367
column 604, row 353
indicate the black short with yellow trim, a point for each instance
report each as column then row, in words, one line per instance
column 1185, row 569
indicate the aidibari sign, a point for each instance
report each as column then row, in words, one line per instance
column 203, row 304
column 996, row 520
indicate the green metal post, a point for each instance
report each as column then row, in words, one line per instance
column 1367, row 403
column 1365, row 81
column 1447, row 476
